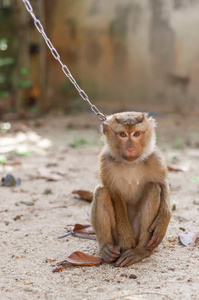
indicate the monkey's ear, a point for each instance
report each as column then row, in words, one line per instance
column 104, row 127
column 152, row 121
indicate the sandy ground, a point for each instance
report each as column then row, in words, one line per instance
column 33, row 214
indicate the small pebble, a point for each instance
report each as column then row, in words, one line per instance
column 132, row 276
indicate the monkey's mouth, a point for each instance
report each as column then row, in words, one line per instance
column 130, row 158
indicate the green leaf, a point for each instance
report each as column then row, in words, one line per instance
column 3, row 160
column 6, row 61
column 24, row 71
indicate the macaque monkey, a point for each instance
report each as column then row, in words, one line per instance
column 131, row 208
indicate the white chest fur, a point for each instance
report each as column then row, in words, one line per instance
column 128, row 180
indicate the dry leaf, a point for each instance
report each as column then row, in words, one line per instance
column 49, row 175
column 82, row 259
column 27, row 282
column 18, row 217
column 83, row 228
column 12, row 163
column 168, row 246
column 84, row 231
column 85, row 195
column 176, row 168
column 59, row 269
column 50, row 260
column 188, row 239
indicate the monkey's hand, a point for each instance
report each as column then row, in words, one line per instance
column 132, row 256
column 109, row 253
column 158, row 228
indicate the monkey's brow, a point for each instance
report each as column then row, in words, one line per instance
column 130, row 120
column 116, row 132
column 127, row 131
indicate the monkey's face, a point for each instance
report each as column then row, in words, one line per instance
column 130, row 136
column 129, row 143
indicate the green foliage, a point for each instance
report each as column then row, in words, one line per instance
column 47, row 192
column 26, row 154
column 24, row 84
column 3, row 160
column 34, row 109
column 67, row 87
column 78, row 143
column 5, row 127
column 4, row 94
column 24, row 71
column 7, row 61
column 196, row 179
column 3, row 78
column 177, row 143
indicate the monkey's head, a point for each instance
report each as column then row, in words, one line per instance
column 130, row 136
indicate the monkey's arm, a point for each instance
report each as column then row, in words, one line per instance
column 103, row 222
column 110, row 222
column 125, row 238
column 159, row 225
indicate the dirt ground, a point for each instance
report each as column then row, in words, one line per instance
column 33, row 214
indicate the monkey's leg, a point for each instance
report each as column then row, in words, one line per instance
column 148, row 211
column 103, row 222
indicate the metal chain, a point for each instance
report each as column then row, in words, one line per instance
column 65, row 69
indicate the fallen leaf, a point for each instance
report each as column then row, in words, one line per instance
column 171, row 269
column 168, row 246
column 12, row 163
column 171, row 238
column 50, row 260
column 85, row 195
column 47, row 192
column 50, row 165
column 18, row 217
column 28, row 203
column 123, row 275
column 49, row 174
column 182, row 228
column 84, row 231
column 83, row 228
column 58, row 269
column 176, row 168
column 79, row 258
column 188, row 239
column 27, row 282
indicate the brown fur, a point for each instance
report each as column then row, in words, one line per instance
column 131, row 208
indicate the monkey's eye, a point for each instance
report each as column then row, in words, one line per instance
column 137, row 133
column 123, row 134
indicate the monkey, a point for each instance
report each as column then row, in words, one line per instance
column 130, row 210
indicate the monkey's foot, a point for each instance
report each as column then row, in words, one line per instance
column 132, row 256
column 110, row 253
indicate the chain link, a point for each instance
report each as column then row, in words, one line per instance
column 65, row 69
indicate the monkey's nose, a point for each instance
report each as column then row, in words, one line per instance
column 130, row 149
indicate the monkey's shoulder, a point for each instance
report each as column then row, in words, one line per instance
column 157, row 164
column 157, row 159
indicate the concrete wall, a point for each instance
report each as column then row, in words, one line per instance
column 128, row 54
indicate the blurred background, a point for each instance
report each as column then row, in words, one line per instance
column 129, row 54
